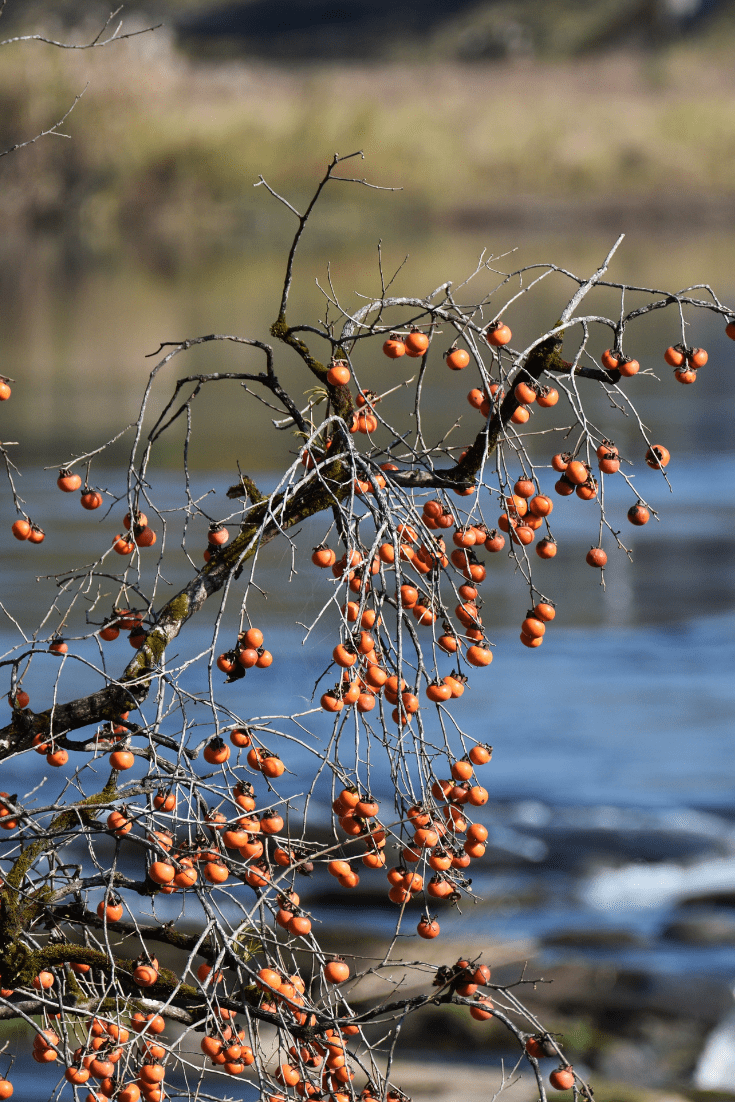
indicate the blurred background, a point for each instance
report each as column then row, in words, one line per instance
column 540, row 128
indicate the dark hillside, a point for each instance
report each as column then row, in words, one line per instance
column 403, row 30
column 463, row 29
column 324, row 29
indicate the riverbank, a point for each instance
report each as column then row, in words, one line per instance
column 166, row 147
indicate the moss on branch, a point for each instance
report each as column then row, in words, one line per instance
column 18, row 912
column 340, row 396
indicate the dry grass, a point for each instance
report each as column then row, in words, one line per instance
column 162, row 143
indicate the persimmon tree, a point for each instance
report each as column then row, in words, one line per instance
column 178, row 790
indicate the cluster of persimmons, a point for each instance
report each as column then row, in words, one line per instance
column 203, row 836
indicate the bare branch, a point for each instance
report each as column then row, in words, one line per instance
column 54, row 130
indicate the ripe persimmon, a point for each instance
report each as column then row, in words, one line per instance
column 137, row 637
column 541, row 505
column 561, row 461
column 21, row 529
column 495, row 541
column 336, row 971
column 465, row 537
column 73, row 1074
column 534, row 1047
column 548, row 396
column 272, row 766
column 461, row 770
column 675, row 355
column 686, row 375
column 562, row 1079
column 339, row 374
column 457, row 358
column 152, row 1073
column 161, row 872
column 139, row 520
column 323, row 556
column 480, row 754
column 216, row 872
column 439, row 887
column 216, row 751
column 657, row 456
column 187, row 875
column 516, row 505
column 67, row 481
column 367, row 807
column 525, row 393
column 588, row 490
column 255, row 757
column 638, row 514
column 596, row 557
column 121, row 759
column 299, row 926
column 697, row 357
column 101, row 1068
column 607, row 448
column 240, row 738
column 122, row 546
column 608, row 462
column 247, row 657
column 522, row 534
column 482, row 1008
column 252, row 637
column 479, row 654
column 524, row 487
column 217, row 536
column 498, row 334
column 144, row 536
column 576, row 472
column 533, row 626
column 272, row 823
column 164, row 800
column 544, row 611
column 428, row 927
column 119, row 823
column 91, row 499
column 546, row 548
column 394, row 347
column 344, row 655
column 416, row 343
column 111, row 909
column 425, row 838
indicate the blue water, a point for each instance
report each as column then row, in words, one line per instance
column 630, row 700
column 626, row 711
